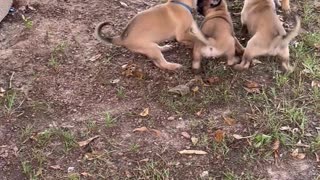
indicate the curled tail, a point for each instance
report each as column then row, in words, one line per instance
column 295, row 31
column 98, row 34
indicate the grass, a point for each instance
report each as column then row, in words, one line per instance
column 109, row 121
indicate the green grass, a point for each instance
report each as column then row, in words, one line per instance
column 109, row 121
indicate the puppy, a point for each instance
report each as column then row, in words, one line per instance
column 218, row 27
column 285, row 5
column 268, row 35
column 170, row 20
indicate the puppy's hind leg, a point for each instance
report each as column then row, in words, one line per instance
column 153, row 51
column 165, row 48
column 284, row 56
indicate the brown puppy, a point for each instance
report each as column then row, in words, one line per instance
column 157, row 24
column 268, row 34
column 285, row 5
column 217, row 26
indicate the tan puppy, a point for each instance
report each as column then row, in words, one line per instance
column 217, row 26
column 157, row 24
column 268, row 34
column 285, row 5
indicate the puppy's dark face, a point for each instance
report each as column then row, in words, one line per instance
column 202, row 4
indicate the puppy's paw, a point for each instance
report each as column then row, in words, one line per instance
column 239, row 67
column 233, row 61
column 165, row 48
column 173, row 66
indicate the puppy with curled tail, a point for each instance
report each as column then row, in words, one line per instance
column 268, row 35
column 171, row 20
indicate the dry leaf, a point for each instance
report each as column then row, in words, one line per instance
column 86, row 142
column 317, row 157
column 132, row 70
column 295, row 153
column 300, row 144
column 194, row 140
column 141, row 129
column 238, row 137
column 157, row 132
column 276, row 145
column 195, row 89
column 251, row 84
column 96, row 57
column 315, row 84
column 219, row 136
column 186, row 135
column 145, row 112
column 123, row 4
column 56, row 167
column 85, row 174
column 199, row 112
column 2, row 90
column 252, row 90
column 213, row 80
column 301, row 156
column 197, row 152
column 229, row 121
column 285, row 128
column 180, row 89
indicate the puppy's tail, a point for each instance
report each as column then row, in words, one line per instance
column 112, row 40
column 287, row 38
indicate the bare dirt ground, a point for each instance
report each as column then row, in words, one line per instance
column 60, row 86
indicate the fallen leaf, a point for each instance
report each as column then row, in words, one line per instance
column 86, row 142
column 186, row 135
column 295, row 153
column 252, row 90
column 144, row 160
column 315, row 84
column 96, row 57
column 219, row 136
column 115, row 81
column 276, row 145
column 94, row 155
column 70, row 169
column 85, row 174
column 197, row 152
column 132, row 70
column 195, row 89
column 238, row 137
column 300, row 144
column 141, row 129
column 180, row 89
column 39, row 172
column 2, row 90
column 157, row 132
column 229, row 121
column 213, row 80
column 251, row 84
column 145, row 112
column 56, row 167
column 252, row 87
column 123, row 4
column 199, row 112
column 285, row 128
column 194, row 140
column 317, row 157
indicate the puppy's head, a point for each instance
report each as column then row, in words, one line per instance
column 203, row 5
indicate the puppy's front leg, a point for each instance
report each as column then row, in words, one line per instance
column 285, row 5
column 196, row 63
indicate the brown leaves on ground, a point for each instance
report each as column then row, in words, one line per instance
column 229, row 121
column 275, row 148
column 213, row 80
column 196, row 152
column 145, row 129
column 86, row 142
column 132, row 70
column 295, row 153
column 252, row 87
column 56, row 167
column 219, row 136
column 186, row 135
column 145, row 112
